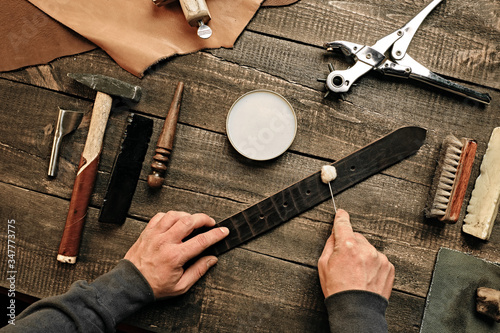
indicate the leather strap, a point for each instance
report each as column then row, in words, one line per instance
column 311, row 191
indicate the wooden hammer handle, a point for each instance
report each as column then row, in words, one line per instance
column 84, row 181
column 195, row 11
column 165, row 141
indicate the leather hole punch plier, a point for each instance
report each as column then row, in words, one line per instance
column 395, row 63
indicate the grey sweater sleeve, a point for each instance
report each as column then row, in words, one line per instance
column 94, row 307
column 355, row 311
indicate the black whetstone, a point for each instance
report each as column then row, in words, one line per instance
column 126, row 169
column 451, row 301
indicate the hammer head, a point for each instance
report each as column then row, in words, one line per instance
column 108, row 85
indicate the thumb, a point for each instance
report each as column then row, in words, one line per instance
column 194, row 272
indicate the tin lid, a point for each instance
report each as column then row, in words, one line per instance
column 261, row 125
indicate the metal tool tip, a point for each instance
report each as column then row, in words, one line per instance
column 204, row 31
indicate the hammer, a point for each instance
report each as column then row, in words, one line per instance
column 87, row 169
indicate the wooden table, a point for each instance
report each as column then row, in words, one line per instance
column 269, row 284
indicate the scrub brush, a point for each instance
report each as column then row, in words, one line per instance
column 451, row 179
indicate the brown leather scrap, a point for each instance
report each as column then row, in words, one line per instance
column 135, row 33
column 28, row 37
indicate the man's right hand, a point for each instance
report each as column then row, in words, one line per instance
column 350, row 262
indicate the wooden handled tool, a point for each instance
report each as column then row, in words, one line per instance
column 166, row 141
column 87, row 169
column 196, row 13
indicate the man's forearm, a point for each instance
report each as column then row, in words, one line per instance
column 94, row 307
column 355, row 311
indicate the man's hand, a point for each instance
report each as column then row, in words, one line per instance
column 160, row 254
column 350, row 262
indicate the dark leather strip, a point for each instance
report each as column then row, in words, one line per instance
column 311, row 191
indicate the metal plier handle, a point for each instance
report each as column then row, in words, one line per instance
column 396, row 63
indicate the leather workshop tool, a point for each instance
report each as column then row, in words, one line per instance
column 87, row 170
column 397, row 63
column 329, row 173
column 196, row 13
column 67, row 122
column 311, row 191
column 165, row 142
column 126, row 169
column 451, row 179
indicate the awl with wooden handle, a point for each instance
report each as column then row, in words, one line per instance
column 87, row 170
column 165, row 141
column 196, row 13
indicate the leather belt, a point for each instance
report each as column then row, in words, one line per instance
column 311, row 191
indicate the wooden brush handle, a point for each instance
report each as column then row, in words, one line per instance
column 84, row 181
column 165, row 141
column 195, row 11
column 464, row 170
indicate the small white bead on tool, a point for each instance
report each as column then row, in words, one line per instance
column 329, row 173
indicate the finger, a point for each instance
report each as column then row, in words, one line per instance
column 185, row 225
column 199, row 243
column 329, row 246
column 194, row 272
column 169, row 219
column 342, row 228
column 361, row 239
column 386, row 292
column 154, row 220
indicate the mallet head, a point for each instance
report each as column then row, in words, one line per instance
column 108, row 85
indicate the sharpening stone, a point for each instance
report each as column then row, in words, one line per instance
column 451, row 300
column 126, row 169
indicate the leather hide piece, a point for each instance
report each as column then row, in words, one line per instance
column 135, row 33
column 29, row 37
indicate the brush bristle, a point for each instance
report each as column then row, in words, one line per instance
column 446, row 173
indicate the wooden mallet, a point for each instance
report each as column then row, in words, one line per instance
column 87, row 170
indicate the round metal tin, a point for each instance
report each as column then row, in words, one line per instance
column 261, row 125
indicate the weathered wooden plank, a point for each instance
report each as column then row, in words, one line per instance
column 317, row 117
column 457, row 39
column 350, row 130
